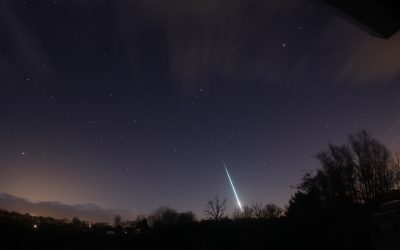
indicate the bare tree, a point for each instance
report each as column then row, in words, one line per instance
column 373, row 164
column 257, row 210
column 163, row 216
column 395, row 168
column 247, row 212
column 237, row 214
column 215, row 208
column 186, row 218
column 361, row 172
column 272, row 211
column 118, row 223
column 76, row 222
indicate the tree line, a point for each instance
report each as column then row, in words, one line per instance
column 361, row 173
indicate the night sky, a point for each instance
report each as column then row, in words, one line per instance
column 135, row 104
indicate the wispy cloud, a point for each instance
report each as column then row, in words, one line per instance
column 89, row 212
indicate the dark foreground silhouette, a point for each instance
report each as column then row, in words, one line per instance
column 25, row 232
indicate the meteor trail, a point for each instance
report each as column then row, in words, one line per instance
column 233, row 187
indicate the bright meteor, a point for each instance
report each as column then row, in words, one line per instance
column 233, row 188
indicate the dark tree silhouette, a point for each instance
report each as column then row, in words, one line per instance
column 272, row 211
column 362, row 172
column 336, row 181
column 395, row 167
column 246, row 213
column 76, row 222
column 215, row 208
column 118, row 223
column 373, row 164
column 141, row 224
column 257, row 210
column 163, row 216
column 237, row 214
column 186, row 217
